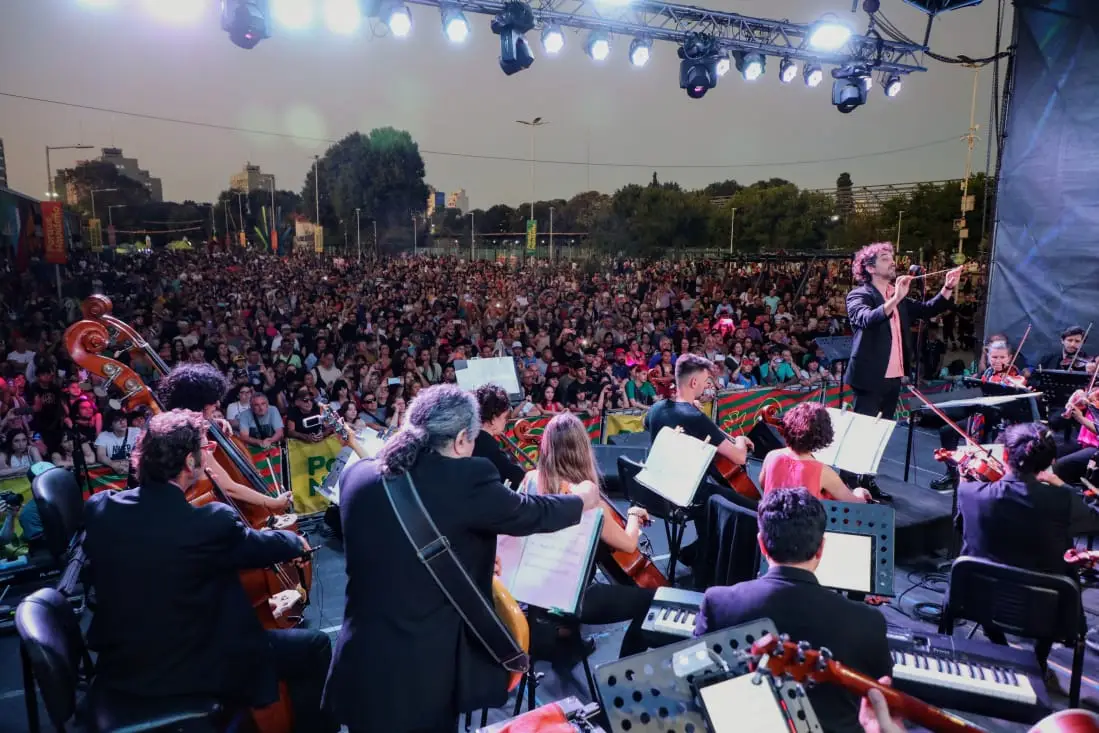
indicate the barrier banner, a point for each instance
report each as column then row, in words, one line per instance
column 738, row 411
column 538, row 426
column 268, row 462
column 103, row 478
column 909, row 400
column 309, row 466
column 632, row 420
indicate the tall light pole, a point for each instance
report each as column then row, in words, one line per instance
column 51, row 194
column 317, row 186
column 359, row 234
column 900, row 218
column 375, row 222
column 415, row 240
column 732, row 230
column 472, row 232
column 94, row 191
column 274, row 220
column 533, row 125
column 213, row 223
column 551, row 235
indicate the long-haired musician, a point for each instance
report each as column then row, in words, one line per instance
column 566, row 461
column 495, row 407
column 201, row 388
column 405, row 660
column 171, row 616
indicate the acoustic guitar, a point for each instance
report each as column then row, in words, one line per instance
column 780, row 657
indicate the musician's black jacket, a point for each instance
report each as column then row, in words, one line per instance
column 171, row 616
column 1055, row 360
column 405, row 660
column 486, row 447
column 800, row 607
column 874, row 337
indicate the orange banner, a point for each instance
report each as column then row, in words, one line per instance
column 53, row 232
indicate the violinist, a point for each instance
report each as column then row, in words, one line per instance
column 984, row 424
column 1071, row 356
column 171, row 616
column 1083, row 409
column 201, row 388
column 1028, row 518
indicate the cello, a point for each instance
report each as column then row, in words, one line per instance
column 278, row 594
column 635, row 567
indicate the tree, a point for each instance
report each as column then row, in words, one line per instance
column 845, row 199
column 96, row 175
column 724, row 188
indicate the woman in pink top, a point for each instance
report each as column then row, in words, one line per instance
column 807, row 428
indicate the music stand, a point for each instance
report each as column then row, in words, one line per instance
column 1057, row 385
column 836, row 348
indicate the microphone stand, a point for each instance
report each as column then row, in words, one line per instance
column 917, row 361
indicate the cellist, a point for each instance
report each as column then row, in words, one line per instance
column 172, row 617
column 201, row 388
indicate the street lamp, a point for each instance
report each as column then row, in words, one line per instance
column 551, row 235
column 472, row 231
column 50, row 193
column 533, row 125
column 110, row 211
column 94, row 191
column 359, row 233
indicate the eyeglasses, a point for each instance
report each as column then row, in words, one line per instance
column 209, row 447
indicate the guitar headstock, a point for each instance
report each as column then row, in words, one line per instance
column 780, row 657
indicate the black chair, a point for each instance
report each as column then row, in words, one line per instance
column 675, row 518
column 1025, row 603
column 55, row 661
column 730, row 553
column 60, row 504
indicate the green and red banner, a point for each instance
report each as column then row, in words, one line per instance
column 538, row 426
column 736, row 412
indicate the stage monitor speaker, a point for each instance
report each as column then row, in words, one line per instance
column 634, row 440
column 606, row 462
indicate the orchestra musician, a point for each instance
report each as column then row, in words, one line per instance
column 693, row 375
column 566, row 460
column 985, row 422
column 1028, row 502
column 791, row 538
column 495, row 406
column 201, row 387
column 1071, row 357
column 405, row 660
column 171, row 616
column 881, row 315
column 1083, row 409
column 807, row 428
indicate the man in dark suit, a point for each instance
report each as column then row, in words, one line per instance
column 791, row 537
column 172, row 617
column 495, row 407
column 405, row 659
column 881, row 316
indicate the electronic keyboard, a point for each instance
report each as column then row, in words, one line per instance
column 671, row 616
column 969, row 676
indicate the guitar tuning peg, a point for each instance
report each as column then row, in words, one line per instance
column 825, row 656
column 804, row 646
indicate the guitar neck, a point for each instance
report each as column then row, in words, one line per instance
column 906, row 706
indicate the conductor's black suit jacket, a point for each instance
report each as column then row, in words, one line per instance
column 874, row 337
column 800, row 607
column 405, row 659
column 171, row 615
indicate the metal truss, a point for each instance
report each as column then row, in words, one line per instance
column 732, row 32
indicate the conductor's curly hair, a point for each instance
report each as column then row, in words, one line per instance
column 193, row 387
column 865, row 258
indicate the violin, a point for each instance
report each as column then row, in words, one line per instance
column 978, row 464
column 278, row 594
column 1010, row 377
column 781, row 658
column 636, row 567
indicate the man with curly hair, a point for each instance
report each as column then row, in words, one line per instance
column 881, row 316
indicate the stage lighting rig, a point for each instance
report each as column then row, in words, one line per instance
column 641, row 50
column 511, row 24
column 698, row 65
column 850, row 87
column 751, row 65
column 245, row 21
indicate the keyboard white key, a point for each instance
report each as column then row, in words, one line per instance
column 678, row 622
column 980, row 679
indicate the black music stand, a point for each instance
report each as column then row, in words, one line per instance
column 1057, row 385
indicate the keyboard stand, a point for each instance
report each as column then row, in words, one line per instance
column 675, row 525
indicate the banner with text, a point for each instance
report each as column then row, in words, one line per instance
column 309, row 466
column 537, row 426
column 53, row 233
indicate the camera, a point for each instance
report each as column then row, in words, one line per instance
column 11, row 499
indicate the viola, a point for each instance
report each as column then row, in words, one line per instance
column 636, row 567
column 278, row 594
column 780, row 657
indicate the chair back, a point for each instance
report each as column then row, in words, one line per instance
column 60, row 504
column 52, row 646
column 731, row 551
column 1021, row 602
column 643, row 496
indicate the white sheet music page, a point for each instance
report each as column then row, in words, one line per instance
column 739, row 704
column 676, row 465
column 864, row 444
column 841, row 422
column 550, row 570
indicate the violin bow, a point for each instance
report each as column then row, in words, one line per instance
column 942, row 415
column 1018, row 348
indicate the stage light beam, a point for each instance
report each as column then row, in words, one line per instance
column 553, row 40
column 342, row 16
column 892, row 86
column 598, row 46
column 455, row 25
column 177, row 11
column 751, row 65
column 399, row 21
column 723, row 66
column 787, row 71
column 292, row 14
column 828, row 34
column 813, row 76
column 640, row 51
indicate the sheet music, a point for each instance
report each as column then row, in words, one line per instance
column 550, row 570
column 859, row 442
column 739, row 704
column 498, row 370
column 676, row 465
column 846, row 562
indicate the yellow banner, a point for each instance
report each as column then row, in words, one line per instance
column 309, row 466
column 95, row 235
column 318, row 239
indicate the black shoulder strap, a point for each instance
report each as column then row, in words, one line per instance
column 438, row 557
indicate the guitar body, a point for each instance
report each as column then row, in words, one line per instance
column 514, row 619
column 1069, row 721
column 738, row 478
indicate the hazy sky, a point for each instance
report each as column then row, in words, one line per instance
column 455, row 99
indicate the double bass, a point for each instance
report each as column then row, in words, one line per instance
column 278, row 594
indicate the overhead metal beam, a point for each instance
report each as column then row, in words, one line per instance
column 731, row 31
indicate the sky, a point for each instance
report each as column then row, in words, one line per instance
column 609, row 124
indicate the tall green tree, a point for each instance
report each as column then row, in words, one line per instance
column 845, row 198
column 96, row 175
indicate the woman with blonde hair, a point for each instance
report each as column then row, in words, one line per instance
column 566, row 461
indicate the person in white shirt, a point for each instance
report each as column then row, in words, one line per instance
column 261, row 425
column 113, row 446
column 242, row 404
